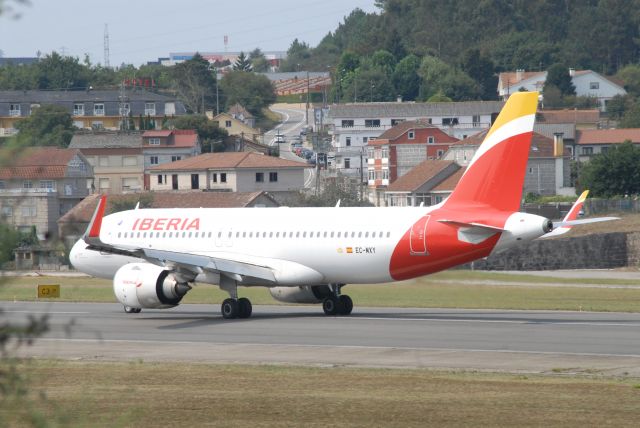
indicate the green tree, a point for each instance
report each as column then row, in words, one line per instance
column 630, row 76
column 49, row 125
column 208, row 131
column 615, row 172
column 58, row 72
column 631, row 118
column 242, row 63
column 438, row 76
column 481, row 69
column 259, row 62
column 406, row 79
column 619, row 105
column 558, row 76
column 195, row 84
column 253, row 91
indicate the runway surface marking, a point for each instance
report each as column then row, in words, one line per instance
column 365, row 347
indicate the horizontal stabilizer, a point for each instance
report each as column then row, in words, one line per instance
column 582, row 221
column 471, row 224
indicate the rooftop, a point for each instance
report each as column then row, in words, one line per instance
column 230, row 160
column 410, row 109
column 37, row 163
column 106, row 140
column 83, row 211
column 607, row 136
column 419, row 175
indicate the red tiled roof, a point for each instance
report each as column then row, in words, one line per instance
column 185, row 140
column 161, row 133
column 83, row 211
column 473, row 140
column 449, row 183
column 36, row 163
column 510, row 78
column 229, row 161
column 568, row 116
column 419, row 175
column 399, row 129
column 607, row 136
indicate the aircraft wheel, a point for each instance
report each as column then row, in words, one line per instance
column 137, row 310
column 131, row 310
column 330, row 305
column 229, row 309
column 244, row 308
column 346, row 304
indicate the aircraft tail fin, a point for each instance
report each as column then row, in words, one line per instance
column 495, row 175
column 571, row 219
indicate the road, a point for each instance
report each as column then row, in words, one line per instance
column 293, row 120
column 499, row 340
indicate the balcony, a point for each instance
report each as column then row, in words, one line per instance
column 14, row 113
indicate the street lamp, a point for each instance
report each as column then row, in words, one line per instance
column 372, row 86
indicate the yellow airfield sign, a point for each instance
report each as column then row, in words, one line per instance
column 47, row 291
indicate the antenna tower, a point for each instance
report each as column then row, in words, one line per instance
column 106, row 46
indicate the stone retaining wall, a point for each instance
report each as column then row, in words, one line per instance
column 598, row 251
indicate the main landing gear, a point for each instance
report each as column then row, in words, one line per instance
column 234, row 307
column 130, row 310
column 337, row 304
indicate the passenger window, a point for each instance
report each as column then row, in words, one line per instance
column 388, row 234
column 189, row 234
column 119, row 234
column 373, row 234
column 230, row 233
column 195, row 235
column 237, row 234
column 325, row 234
column 264, row 234
column 244, row 234
column 277, row 234
column 297, row 234
column 339, row 233
column 170, row 234
column 290, row 234
column 359, row 234
column 366, row 235
column 164, row 234
column 332, row 234
column 138, row 235
column 353, row 234
column 250, row 234
column 270, row 234
column 310, row 234
column 209, row 234
column 185, row 234
column 220, row 234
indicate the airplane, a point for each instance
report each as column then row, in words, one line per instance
column 307, row 255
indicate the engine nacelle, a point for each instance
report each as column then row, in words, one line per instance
column 143, row 285
column 301, row 294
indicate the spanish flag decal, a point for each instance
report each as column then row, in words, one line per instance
column 349, row 250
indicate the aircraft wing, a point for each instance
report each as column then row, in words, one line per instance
column 192, row 263
column 570, row 220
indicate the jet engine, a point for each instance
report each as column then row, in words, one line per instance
column 143, row 285
column 301, row 294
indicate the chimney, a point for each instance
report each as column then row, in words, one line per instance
column 519, row 74
column 558, row 144
column 399, row 98
column 572, row 72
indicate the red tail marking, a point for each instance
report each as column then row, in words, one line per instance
column 94, row 232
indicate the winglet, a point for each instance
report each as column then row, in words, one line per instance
column 93, row 230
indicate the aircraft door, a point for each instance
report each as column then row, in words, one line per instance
column 418, row 237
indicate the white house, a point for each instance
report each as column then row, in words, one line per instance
column 353, row 125
column 588, row 83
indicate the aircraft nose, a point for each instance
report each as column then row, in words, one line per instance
column 76, row 255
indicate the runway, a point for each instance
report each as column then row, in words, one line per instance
column 496, row 340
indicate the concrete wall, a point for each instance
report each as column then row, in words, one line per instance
column 599, row 251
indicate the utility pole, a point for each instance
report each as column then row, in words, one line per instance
column 106, row 46
column 217, row 95
column 306, row 111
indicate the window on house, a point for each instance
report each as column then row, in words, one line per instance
column 97, row 125
column 347, row 163
column 476, row 120
column 27, row 184
column 176, row 158
column 440, row 153
column 365, row 139
column 223, row 177
column 347, row 123
column 159, row 178
column 385, row 174
column 214, row 177
column 2, row 185
column 47, row 184
column 78, row 109
column 449, row 121
column 273, row 177
column 129, row 161
column 259, row 177
column 125, row 108
column 394, row 122
column 372, row 123
column 153, row 160
column 430, row 139
column 411, row 135
column 227, row 124
column 150, row 109
column 195, row 181
column 385, row 152
column 372, row 175
column 604, row 149
column 348, row 141
column 98, row 109
column 154, row 141
column 103, row 184
column 14, row 110
column 29, row 211
column 594, row 85
column 7, row 211
column 370, row 152
column 587, row 151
